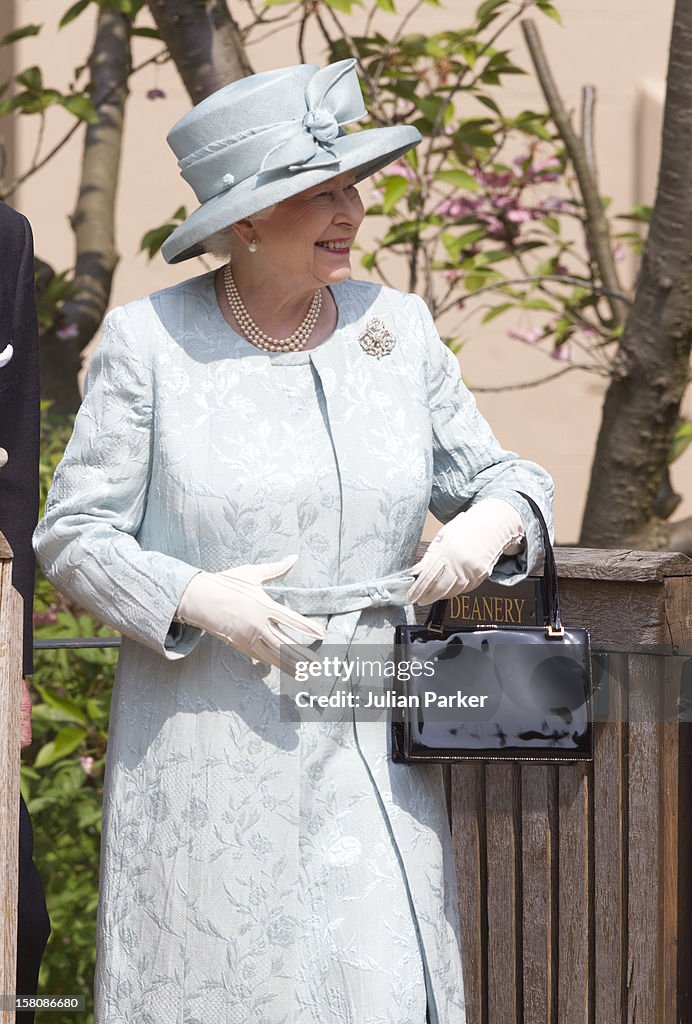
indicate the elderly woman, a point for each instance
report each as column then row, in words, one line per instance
column 274, row 421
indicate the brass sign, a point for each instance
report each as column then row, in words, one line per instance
column 520, row 605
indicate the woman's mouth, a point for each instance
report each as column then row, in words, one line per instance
column 337, row 245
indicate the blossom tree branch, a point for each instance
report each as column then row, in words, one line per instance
column 204, row 41
column 596, row 224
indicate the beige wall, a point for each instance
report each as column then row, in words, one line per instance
column 620, row 47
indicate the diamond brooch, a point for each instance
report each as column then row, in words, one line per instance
column 376, row 339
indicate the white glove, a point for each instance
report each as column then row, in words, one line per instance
column 465, row 551
column 232, row 606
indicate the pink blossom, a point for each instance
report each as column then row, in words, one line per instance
column 563, row 352
column 619, row 253
column 495, row 179
column 47, row 618
column 376, row 195
column 457, row 207
column 503, row 202
column 547, row 171
column 557, row 204
column 87, row 764
column 452, row 276
column 530, row 335
column 519, row 216
column 67, row 332
column 156, row 94
column 403, row 167
column 494, row 226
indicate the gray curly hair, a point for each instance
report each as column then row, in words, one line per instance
column 223, row 243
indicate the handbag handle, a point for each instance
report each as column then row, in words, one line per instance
column 551, row 593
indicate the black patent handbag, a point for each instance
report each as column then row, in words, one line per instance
column 494, row 692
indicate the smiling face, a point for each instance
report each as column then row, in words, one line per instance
column 306, row 241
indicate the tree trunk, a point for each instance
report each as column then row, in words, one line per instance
column 93, row 221
column 204, row 41
column 642, row 404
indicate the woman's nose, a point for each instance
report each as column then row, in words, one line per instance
column 350, row 207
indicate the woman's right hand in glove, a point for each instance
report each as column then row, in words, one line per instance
column 232, row 606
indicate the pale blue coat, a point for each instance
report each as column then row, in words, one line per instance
column 256, row 869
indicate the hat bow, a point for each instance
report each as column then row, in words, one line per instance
column 333, row 98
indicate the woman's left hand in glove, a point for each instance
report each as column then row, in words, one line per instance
column 465, row 551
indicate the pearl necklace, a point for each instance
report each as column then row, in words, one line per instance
column 255, row 334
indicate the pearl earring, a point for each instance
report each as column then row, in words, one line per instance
column 253, row 245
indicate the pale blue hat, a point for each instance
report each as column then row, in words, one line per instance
column 269, row 136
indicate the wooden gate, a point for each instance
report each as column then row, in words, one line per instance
column 573, row 879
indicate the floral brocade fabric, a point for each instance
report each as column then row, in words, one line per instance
column 256, row 868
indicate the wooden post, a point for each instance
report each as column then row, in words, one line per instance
column 577, row 895
column 10, row 672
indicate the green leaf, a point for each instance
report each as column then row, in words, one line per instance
column 387, row 5
column 552, row 224
column 146, row 33
column 404, row 232
column 472, row 282
column 31, row 79
column 640, row 213
column 470, row 134
column 82, row 107
column 538, row 304
column 536, row 129
column 73, row 12
column 395, row 187
column 458, row 178
column 67, row 707
column 367, row 260
column 14, row 103
column 551, row 11
column 497, row 311
column 681, row 439
column 432, row 106
column 127, row 7
column 343, row 5
column 455, row 244
column 488, row 8
column 488, row 101
column 88, row 815
column 65, row 742
column 154, row 239
column 20, row 33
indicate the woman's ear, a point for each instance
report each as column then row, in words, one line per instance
column 245, row 230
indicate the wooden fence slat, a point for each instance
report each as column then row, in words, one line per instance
column 575, row 888
column 502, row 802
column 669, row 872
column 539, row 878
column 646, row 673
column 610, row 845
column 468, row 833
column 10, row 672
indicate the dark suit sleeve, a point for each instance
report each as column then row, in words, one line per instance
column 19, row 406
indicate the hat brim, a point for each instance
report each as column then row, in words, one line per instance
column 365, row 152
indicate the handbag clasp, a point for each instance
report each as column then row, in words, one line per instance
column 553, row 633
